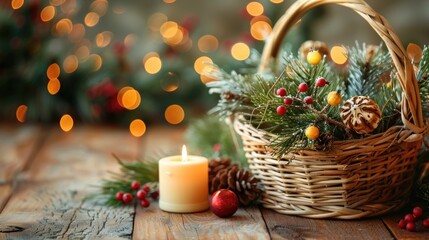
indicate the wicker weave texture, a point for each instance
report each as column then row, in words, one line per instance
column 359, row 178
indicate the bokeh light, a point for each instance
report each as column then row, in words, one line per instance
column 137, row 128
column 129, row 98
column 169, row 29
column 240, row 51
column 78, row 32
column 169, row 83
column 174, row 114
column 17, row 4
column 69, row 7
column 70, row 64
column 276, row 1
column 64, row 26
column 206, row 78
column 260, row 30
column 47, row 13
column 339, row 55
column 152, row 64
column 53, row 86
column 103, row 39
column 96, row 60
column 82, row 52
column 129, row 40
column 53, row 71
column 169, row 1
column 99, row 7
column 208, row 43
column 91, row 19
column 56, row 2
column 201, row 63
column 21, row 113
column 156, row 20
column 66, row 123
column 261, row 18
column 255, row 8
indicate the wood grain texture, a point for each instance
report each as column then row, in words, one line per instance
column 245, row 224
column 291, row 227
column 392, row 220
column 5, row 191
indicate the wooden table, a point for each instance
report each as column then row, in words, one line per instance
column 45, row 174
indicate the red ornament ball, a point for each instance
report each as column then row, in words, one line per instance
column 425, row 223
column 281, row 110
column 119, row 195
column 308, row 100
column 417, row 212
column 145, row 203
column 146, row 188
column 321, row 82
column 411, row 226
column 288, row 100
column 303, row 87
column 402, row 224
column 127, row 198
column 155, row 194
column 141, row 194
column 281, row 92
column 224, row 203
column 135, row 185
column 409, row 217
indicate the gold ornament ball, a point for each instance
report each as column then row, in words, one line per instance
column 314, row 57
column 312, row 132
column 334, row 98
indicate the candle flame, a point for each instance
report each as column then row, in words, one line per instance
column 184, row 154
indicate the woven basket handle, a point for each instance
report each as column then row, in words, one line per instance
column 411, row 109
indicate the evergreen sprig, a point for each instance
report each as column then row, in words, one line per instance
column 423, row 79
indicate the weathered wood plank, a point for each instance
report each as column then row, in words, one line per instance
column 391, row 222
column 5, row 191
column 291, row 227
column 48, row 202
column 245, row 224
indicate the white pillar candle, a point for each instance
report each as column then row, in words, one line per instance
column 183, row 183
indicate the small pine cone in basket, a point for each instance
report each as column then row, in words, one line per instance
column 240, row 181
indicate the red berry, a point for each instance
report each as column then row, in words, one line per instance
column 145, row 203
column 281, row 110
column 127, row 198
column 402, row 223
column 288, row 100
column 135, row 185
column 417, row 212
column 321, row 82
column 119, row 196
column 281, row 92
column 308, row 100
column 146, row 188
column 411, row 226
column 155, row 195
column 141, row 194
column 425, row 223
column 409, row 217
column 303, row 87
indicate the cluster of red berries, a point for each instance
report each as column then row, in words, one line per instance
column 410, row 219
column 141, row 193
column 303, row 87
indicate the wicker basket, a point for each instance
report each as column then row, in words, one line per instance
column 360, row 178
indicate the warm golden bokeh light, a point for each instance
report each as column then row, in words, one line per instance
column 78, row 32
column 54, row 86
column 91, row 19
column 156, row 20
column 152, row 65
column 261, row 18
column 21, row 113
column 53, row 71
column 99, row 7
column 201, row 63
column 129, row 98
column 64, row 26
column 170, row 83
column 70, row 64
column 56, row 2
column 66, row 122
column 169, row 1
column 208, row 43
column 255, row 8
column 103, row 39
column 47, row 13
column 69, row 7
column 206, row 78
column 276, row 1
column 174, row 114
column 17, row 4
column 137, row 128
column 339, row 55
column 97, row 61
column 260, row 30
column 82, row 52
column 129, row 40
column 240, row 51
column 169, row 29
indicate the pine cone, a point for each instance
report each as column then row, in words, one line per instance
column 324, row 142
column 215, row 165
column 240, row 181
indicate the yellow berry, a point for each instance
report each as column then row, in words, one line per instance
column 312, row 132
column 314, row 57
column 334, row 98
